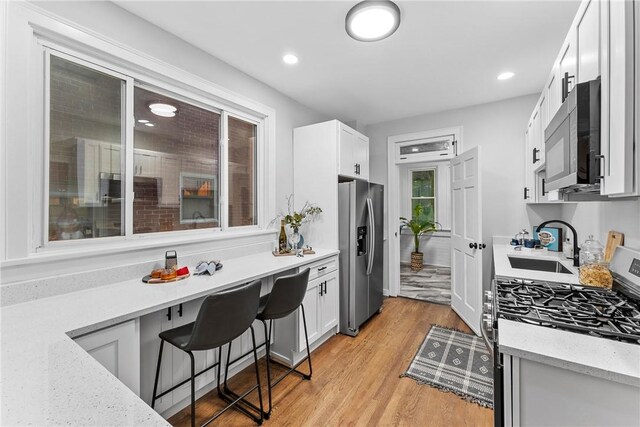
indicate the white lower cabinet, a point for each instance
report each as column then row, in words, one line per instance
column 537, row 394
column 321, row 305
column 117, row 348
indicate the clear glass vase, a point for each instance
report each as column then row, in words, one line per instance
column 294, row 239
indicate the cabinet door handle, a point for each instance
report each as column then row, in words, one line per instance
column 355, row 168
column 473, row 245
column 180, row 310
column 325, row 287
column 526, row 193
column 535, row 155
column 169, row 314
column 481, row 246
column 544, row 190
column 322, row 268
column 600, row 157
column 320, row 289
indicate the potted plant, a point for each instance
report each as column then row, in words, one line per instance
column 295, row 219
column 418, row 225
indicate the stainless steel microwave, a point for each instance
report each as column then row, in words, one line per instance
column 572, row 141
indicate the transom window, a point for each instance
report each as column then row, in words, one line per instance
column 171, row 173
column 423, row 192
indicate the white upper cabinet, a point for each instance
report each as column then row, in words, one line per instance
column 616, row 127
column 354, row 153
column 588, row 36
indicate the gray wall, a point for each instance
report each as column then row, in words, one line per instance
column 498, row 128
column 598, row 218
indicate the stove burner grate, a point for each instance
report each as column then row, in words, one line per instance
column 596, row 312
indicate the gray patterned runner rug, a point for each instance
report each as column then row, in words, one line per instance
column 454, row 361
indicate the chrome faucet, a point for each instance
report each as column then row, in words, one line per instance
column 576, row 249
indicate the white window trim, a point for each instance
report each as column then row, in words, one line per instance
column 410, row 199
column 119, row 59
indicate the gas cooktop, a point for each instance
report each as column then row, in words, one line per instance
column 598, row 312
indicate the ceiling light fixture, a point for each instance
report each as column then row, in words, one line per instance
column 143, row 121
column 149, row 124
column 163, row 110
column 290, row 59
column 506, row 75
column 370, row 21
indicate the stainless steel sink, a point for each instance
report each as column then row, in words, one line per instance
column 538, row 265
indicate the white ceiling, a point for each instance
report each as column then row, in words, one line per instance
column 446, row 54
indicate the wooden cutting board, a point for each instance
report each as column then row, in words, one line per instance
column 614, row 240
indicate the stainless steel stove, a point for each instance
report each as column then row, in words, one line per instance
column 604, row 314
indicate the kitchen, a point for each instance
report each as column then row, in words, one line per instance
column 78, row 234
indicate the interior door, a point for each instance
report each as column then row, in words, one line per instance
column 466, row 238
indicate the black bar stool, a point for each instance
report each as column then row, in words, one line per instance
column 222, row 317
column 285, row 298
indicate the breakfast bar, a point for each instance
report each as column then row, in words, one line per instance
column 47, row 378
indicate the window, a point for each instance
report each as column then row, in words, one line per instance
column 169, row 175
column 85, row 116
column 176, row 165
column 423, row 187
column 242, row 178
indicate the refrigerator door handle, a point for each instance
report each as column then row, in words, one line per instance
column 372, row 234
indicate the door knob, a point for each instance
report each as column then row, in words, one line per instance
column 473, row 245
column 481, row 246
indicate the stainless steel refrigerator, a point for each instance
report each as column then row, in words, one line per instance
column 360, row 224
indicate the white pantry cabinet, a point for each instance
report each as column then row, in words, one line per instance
column 321, row 305
column 536, row 394
column 323, row 153
column 117, row 348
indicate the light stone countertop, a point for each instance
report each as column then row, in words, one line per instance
column 599, row 357
column 502, row 252
column 47, row 379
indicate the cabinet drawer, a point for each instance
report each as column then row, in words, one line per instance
column 320, row 268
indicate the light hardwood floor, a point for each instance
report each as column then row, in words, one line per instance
column 356, row 380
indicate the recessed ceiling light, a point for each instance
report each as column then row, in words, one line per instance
column 290, row 59
column 163, row 110
column 505, row 76
column 149, row 124
column 143, row 121
column 414, row 150
column 370, row 21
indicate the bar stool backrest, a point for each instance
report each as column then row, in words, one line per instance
column 224, row 316
column 287, row 295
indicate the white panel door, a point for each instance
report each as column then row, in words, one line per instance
column 117, row 349
column 466, row 238
column 329, row 302
column 311, row 303
column 348, row 142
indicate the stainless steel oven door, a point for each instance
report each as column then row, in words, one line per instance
column 561, row 150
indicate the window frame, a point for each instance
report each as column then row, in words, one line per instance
column 411, row 171
column 261, row 116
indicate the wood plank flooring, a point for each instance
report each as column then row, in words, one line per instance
column 356, row 380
